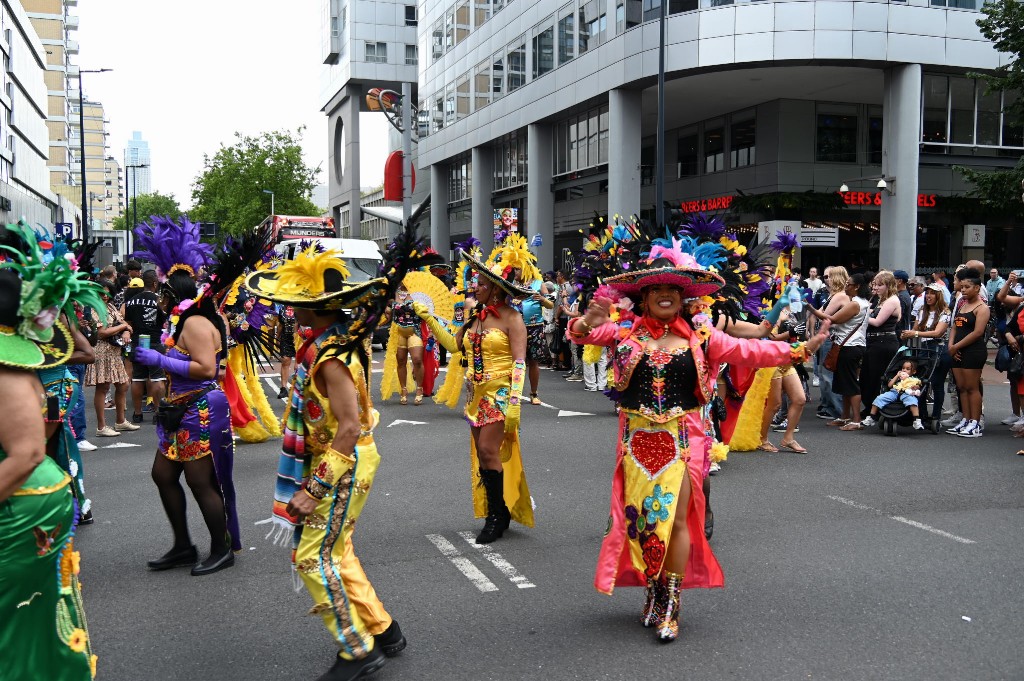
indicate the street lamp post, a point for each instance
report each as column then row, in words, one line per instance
column 267, row 191
column 81, row 150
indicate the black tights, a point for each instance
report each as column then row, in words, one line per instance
column 202, row 480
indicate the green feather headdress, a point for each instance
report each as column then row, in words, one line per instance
column 47, row 288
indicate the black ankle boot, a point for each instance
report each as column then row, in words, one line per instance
column 349, row 670
column 175, row 558
column 391, row 641
column 498, row 516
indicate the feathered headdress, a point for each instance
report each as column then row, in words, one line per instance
column 513, row 254
column 172, row 245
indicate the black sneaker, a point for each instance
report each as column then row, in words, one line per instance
column 350, row 670
column 282, row 393
column 136, row 418
column 391, row 642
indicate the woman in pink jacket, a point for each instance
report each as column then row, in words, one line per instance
column 665, row 367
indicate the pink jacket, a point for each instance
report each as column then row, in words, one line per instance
column 720, row 348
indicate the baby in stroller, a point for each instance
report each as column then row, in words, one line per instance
column 905, row 387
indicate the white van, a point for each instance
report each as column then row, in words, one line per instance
column 362, row 257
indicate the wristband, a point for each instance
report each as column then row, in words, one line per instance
column 798, row 353
column 579, row 334
column 518, row 380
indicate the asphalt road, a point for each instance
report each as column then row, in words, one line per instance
column 869, row 558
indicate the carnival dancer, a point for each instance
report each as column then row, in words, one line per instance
column 665, row 369
column 405, row 342
column 194, row 422
column 43, row 633
column 515, row 253
column 329, row 458
column 493, row 342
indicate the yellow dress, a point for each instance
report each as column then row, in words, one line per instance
column 488, row 386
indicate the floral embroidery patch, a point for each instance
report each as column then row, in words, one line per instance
column 653, row 553
column 637, row 522
column 657, row 505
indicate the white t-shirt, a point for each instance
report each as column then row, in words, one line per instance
column 814, row 285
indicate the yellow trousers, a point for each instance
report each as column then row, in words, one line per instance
column 330, row 570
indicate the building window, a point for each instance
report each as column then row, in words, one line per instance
column 936, row 101
column 483, row 11
column 482, row 85
column 462, row 97
column 958, row 113
column 461, row 21
column 510, row 162
column 990, row 107
column 411, row 55
column 714, row 147
column 437, row 40
column 837, row 137
column 688, row 154
column 875, row 129
column 517, row 67
column 961, row 110
column 449, row 104
column 460, row 179
column 583, row 42
column 449, row 30
column 742, row 136
column 957, row 4
column 377, row 53
column 498, row 77
column 544, row 51
column 423, row 119
column 582, row 141
column 437, row 112
column 648, row 163
column 1013, row 129
column 410, row 15
column 566, row 36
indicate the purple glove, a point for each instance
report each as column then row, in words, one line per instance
column 147, row 357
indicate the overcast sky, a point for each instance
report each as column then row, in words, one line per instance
column 191, row 73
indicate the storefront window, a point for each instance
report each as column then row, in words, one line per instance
column 742, row 136
column 714, row 147
column 837, row 137
column 688, row 148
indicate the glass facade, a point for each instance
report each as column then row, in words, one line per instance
column 960, row 117
column 581, row 141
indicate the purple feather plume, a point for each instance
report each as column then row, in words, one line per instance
column 702, row 228
column 785, row 242
column 167, row 243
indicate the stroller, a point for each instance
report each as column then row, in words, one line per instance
column 898, row 414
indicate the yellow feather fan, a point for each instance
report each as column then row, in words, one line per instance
column 747, row 436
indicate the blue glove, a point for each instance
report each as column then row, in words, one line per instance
column 773, row 314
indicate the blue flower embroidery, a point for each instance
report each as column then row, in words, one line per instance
column 657, row 505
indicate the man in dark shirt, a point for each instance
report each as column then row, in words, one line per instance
column 906, row 300
column 142, row 312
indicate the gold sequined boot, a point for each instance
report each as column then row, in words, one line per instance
column 668, row 624
column 654, row 603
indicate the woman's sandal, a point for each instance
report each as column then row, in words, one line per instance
column 837, row 422
column 793, row 446
column 853, row 425
column 1020, row 452
column 403, row 399
column 419, row 398
column 534, row 399
column 767, row 447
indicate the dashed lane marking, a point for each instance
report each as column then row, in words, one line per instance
column 497, row 560
column 463, row 564
column 564, row 412
column 270, row 382
column 119, row 445
column 901, row 519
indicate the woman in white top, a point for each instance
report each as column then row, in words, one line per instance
column 848, row 329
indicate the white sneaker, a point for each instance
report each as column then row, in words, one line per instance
column 1018, row 426
column 715, row 467
column 815, row 382
column 972, row 429
column 955, row 419
column 918, row 425
column 955, row 430
column 125, row 425
column 86, row 446
column 1010, row 420
column 106, row 431
column 868, row 421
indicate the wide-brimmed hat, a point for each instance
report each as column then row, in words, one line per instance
column 314, row 281
column 20, row 351
column 495, row 276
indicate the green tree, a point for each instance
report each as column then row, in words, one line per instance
column 145, row 205
column 230, row 190
column 1003, row 24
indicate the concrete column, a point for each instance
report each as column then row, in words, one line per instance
column 481, row 211
column 624, row 118
column 901, row 118
column 540, row 202
column 350, row 182
column 440, row 233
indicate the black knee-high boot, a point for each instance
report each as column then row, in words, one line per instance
column 498, row 516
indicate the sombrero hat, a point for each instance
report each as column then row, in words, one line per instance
column 495, row 276
column 20, row 351
column 314, row 281
column 668, row 265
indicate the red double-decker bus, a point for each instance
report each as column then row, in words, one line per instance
column 287, row 227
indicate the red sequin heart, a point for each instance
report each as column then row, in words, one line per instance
column 653, row 450
column 314, row 410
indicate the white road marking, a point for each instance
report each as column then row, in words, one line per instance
column 498, row 561
column 270, row 382
column 905, row 521
column 563, row 412
column 403, row 422
column 463, row 564
column 549, row 406
column 119, row 445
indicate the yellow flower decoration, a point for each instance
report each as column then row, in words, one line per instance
column 305, row 273
column 78, row 640
column 719, row 452
column 740, row 251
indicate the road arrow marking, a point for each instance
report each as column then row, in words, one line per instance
column 563, row 412
column 499, row 562
column 119, row 445
column 463, row 564
column 403, row 422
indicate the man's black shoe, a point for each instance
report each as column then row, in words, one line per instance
column 282, row 393
column 391, row 642
column 174, row 558
column 86, row 518
column 214, row 564
column 136, row 418
column 350, row 670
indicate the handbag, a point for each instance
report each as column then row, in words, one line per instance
column 832, row 358
column 1004, row 358
column 170, row 414
column 1016, row 367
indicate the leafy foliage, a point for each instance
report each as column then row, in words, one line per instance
column 229, row 191
column 1003, row 24
column 145, row 205
column 788, row 205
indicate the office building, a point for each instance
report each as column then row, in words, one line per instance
column 138, row 166
column 550, row 107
